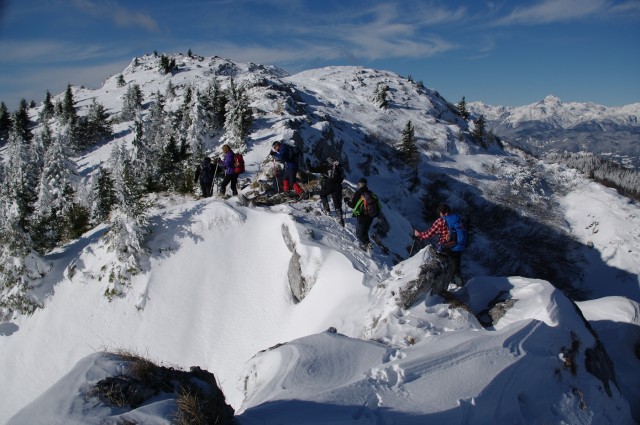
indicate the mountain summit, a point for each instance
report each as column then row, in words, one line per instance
column 276, row 299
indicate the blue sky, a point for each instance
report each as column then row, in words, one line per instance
column 500, row 52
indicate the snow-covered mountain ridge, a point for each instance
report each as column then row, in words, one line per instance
column 555, row 113
column 215, row 286
column 553, row 125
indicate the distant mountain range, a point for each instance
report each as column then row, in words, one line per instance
column 551, row 125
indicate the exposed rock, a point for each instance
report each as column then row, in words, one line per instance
column 199, row 398
column 435, row 275
column 496, row 309
column 299, row 285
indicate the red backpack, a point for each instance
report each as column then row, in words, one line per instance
column 238, row 162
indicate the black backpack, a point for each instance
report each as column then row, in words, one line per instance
column 206, row 172
column 297, row 156
column 336, row 173
column 370, row 204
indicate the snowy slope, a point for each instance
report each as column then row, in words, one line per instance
column 212, row 299
column 214, row 290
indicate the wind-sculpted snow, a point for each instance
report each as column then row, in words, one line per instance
column 517, row 374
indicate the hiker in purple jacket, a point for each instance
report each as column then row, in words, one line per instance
column 230, row 175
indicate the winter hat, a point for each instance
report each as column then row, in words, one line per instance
column 363, row 181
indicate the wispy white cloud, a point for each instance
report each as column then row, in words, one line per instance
column 550, row 11
column 54, row 52
column 378, row 32
column 32, row 83
column 630, row 9
column 120, row 15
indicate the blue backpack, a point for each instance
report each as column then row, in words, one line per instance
column 458, row 233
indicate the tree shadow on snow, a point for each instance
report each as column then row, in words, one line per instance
column 168, row 230
column 522, row 237
column 308, row 412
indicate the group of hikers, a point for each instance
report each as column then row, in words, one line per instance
column 207, row 171
column 364, row 203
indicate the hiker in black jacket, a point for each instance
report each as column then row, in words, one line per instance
column 332, row 175
column 205, row 174
column 365, row 207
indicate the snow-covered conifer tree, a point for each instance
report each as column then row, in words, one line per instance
column 127, row 225
column 462, row 108
column 103, row 195
column 479, row 132
column 197, row 127
column 19, row 265
column 214, row 103
column 184, row 117
column 142, row 158
column 98, row 125
column 5, row 122
column 170, row 91
column 68, row 112
column 238, row 116
column 410, row 155
column 21, row 123
column 55, row 197
column 381, row 95
column 47, row 110
column 19, row 184
column 131, row 103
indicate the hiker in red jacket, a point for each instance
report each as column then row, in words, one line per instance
column 440, row 228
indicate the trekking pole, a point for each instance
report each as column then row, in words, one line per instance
column 215, row 177
column 275, row 174
column 412, row 245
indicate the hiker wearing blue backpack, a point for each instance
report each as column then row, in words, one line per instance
column 452, row 237
column 230, row 176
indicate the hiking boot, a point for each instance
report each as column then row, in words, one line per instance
column 341, row 221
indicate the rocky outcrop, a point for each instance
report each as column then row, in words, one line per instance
column 199, row 399
column 434, row 277
column 299, row 285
